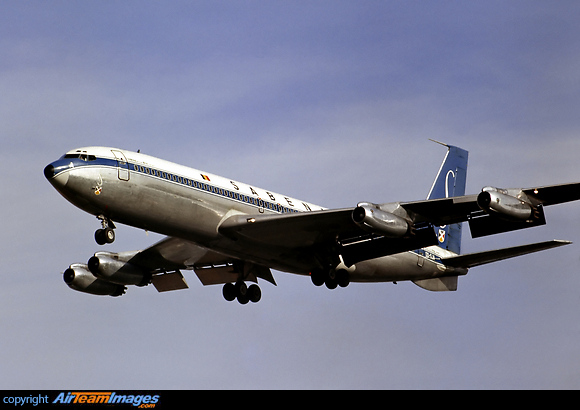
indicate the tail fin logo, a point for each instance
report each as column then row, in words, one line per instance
column 442, row 234
column 450, row 172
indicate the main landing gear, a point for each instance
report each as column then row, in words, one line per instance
column 242, row 292
column 106, row 234
column 331, row 278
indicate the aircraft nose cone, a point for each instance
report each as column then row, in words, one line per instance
column 54, row 173
column 49, row 171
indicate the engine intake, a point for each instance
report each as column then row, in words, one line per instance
column 497, row 201
column 370, row 217
column 79, row 278
column 107, row 266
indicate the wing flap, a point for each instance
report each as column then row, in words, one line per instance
column 232, row 272
column 482, row 224
column 169, row 281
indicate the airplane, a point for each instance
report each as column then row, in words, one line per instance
column 230, row 233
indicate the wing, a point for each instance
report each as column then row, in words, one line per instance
column 323, row 237
column 167, row 257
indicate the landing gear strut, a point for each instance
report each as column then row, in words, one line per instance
column 106, row 234
column 242, row 292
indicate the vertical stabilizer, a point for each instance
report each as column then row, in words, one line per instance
column 450, row 182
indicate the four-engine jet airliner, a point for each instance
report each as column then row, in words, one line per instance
column 231, row 233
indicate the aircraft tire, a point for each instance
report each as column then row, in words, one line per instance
column 317, row 278
column 242, row 292
column 243, row 299
column 104, row 236
column 100, row 237
column 331, row 283
column 254, row 293
column 343, row 278
column 109, row 235
column 229, row 292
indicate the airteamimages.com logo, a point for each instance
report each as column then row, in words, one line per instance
column 77, row 398
column 143, row 401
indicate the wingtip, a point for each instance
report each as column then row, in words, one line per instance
column 562, row 242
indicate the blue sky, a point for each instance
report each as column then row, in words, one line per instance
column 329, row 101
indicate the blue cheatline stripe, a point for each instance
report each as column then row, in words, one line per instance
column 63, row 165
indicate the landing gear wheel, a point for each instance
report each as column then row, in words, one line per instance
column 331, row 278
column 242, row 292
column 103, row 236
column 254, row 293
column 106, row 234
column 100, row 236
column 343, row 278
column 109, row 235
column 331, row 283
column 317, row 277
column 229, row 292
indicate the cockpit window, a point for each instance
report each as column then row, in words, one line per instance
column 81, row 155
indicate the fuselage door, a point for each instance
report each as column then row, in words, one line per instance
column 122, row 165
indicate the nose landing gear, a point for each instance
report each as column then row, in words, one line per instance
column 106, row 234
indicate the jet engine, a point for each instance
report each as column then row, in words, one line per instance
column 78, row 277
column 370, row 217
column 499, row 202
column 109, row 267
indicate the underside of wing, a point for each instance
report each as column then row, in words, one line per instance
column 172, row 254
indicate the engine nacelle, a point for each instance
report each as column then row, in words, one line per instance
column 107, row 266
column 78, row 277
column 372, row 218
column 494, row 200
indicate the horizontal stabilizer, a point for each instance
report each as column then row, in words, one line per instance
column 444, row 284
column 481, row 258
